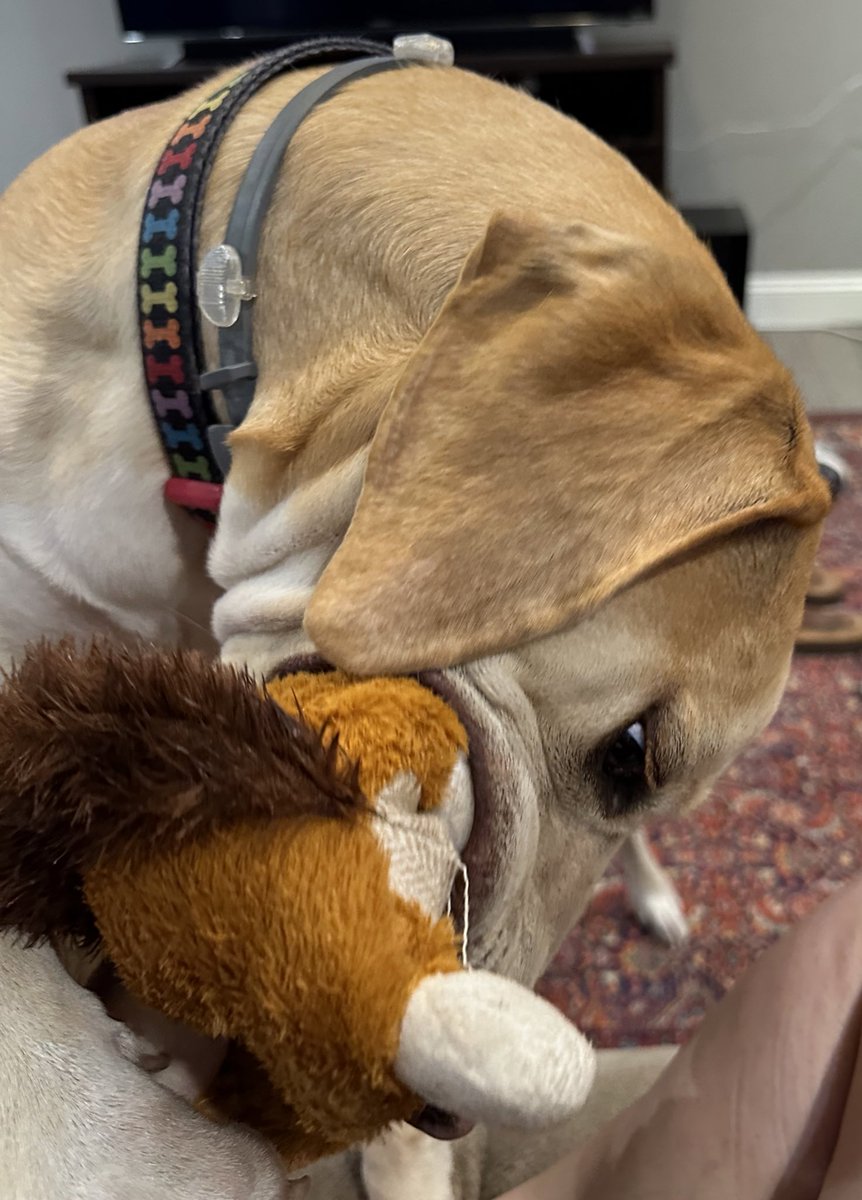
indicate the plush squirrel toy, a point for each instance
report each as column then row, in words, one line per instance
column 274, row 867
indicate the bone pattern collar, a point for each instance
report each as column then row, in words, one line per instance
column 171, row 340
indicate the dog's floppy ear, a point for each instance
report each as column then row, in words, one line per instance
column 584, row 407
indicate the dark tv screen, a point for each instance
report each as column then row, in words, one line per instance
column 290, row 16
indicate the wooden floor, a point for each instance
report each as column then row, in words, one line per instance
column 827, row 365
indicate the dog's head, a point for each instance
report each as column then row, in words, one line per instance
column 589, row 509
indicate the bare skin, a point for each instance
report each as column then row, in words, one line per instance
column 764, row 1102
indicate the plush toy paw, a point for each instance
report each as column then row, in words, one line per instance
column 484, row 1047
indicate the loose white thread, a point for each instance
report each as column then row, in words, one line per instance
column 461, row 869
column 400, row 820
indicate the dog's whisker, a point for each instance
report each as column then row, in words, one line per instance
column 189, row 621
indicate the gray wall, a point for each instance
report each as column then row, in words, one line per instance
column 766, row 108
column 39, row 41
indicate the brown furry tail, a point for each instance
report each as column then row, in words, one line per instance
column 110, row 747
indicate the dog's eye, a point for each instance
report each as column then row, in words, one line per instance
column 624, row 766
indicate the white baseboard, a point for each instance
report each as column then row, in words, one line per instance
column 779, row 300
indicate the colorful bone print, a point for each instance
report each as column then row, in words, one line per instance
column 171, row 341
column 169, row 333
column 165, row 301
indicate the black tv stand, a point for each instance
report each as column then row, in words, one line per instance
column 617, row 90
column 227, row 50
column 498, row 41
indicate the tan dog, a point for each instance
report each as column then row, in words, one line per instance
column 584, row 478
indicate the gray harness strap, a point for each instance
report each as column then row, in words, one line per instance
column 236, row 374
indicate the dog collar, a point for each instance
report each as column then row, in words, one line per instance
column 169, row 295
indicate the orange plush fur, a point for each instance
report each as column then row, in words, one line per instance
column 285, row 936
column 385, row 726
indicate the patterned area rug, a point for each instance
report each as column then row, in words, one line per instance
column 782, row 831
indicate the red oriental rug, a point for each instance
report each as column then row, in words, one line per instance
column 783, row 830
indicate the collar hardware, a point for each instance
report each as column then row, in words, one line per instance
column 222, row 287
column 424, row 48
